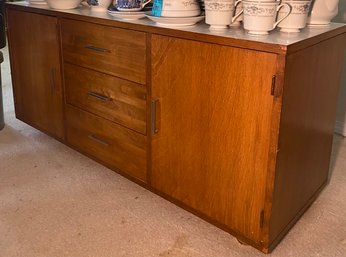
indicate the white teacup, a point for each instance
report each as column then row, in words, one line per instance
column 218, row 13
column 176, row 8
column 261, row 17
column 297, row 19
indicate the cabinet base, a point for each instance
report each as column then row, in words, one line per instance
column 282, row 234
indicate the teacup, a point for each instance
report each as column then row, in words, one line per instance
column 218, row 13
column 130, row 5
column 99, row 5
column 261, row 17
column 176, row 8
column 297, row 19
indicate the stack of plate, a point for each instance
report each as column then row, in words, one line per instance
column 177, row 13
column 37, row 1
column 128, row 15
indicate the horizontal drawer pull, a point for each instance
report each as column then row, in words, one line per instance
column 99, row 96
column 97, row 49
column 94, row 138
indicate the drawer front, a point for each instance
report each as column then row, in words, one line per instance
column 115, row 99
column 120, row 148
column 118, row 52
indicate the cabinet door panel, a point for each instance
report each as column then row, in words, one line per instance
column 211, row 149
column 36, row 73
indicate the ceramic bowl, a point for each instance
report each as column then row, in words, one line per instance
column 63, row 4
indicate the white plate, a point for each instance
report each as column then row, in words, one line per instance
column 127, row 15
column 175, row 21
column 318, row 25
column 129, row 9
column 37, row 2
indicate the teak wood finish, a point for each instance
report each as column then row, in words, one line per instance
column 237, row 131
column 111, row 50
column 120, row 148
column 306, row 134
column 218, row 161
column 112, row 98
column 35, row 66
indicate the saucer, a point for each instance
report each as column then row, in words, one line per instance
column 129, row 9
column 127, row 15
column 318, row 25
column 39, row 2
column 175, row 21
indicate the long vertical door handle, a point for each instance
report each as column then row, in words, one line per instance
column 155, row 112
column 52, row 80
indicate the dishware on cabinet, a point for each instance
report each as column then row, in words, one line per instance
column 37, row 2
column 130, row 5
column 238, row 14
column 176, row 8
column 297, row 19
column 322, row 12
column 127, row 15
column 60, row 4
column 99, row 5
column 218, row 13
column 261, row 17
column 175, row 22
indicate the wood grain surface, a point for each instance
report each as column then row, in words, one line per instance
column 214, row 108
column 216, row 38
column 118, row 52
column 121, row 148
column 36, row 72
column 112, row 98
column 240, row 131
column 312, row 77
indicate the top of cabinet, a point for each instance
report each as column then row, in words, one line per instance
column 275, row 42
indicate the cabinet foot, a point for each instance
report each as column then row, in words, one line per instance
column 242, row 242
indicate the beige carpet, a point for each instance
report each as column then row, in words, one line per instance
column 56, row 202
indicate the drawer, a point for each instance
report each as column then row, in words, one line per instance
column 112, row 98
column 120, row 148
column 115, row 51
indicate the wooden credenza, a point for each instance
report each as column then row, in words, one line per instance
column 236, row 130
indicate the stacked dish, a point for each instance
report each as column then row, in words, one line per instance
column 128, row 9
column 37, row 1
column 176, row 13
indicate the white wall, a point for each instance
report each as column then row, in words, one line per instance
column 341, row 114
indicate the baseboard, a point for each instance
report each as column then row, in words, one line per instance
column 340, row 128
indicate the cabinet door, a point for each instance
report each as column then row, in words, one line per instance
column 36, row 73
column 210, row 150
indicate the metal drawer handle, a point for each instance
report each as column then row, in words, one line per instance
column 97, row 49
column 99, row 96
column 94, row 138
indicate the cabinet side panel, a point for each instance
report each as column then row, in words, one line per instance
column 306, row 131
column 214, row 109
